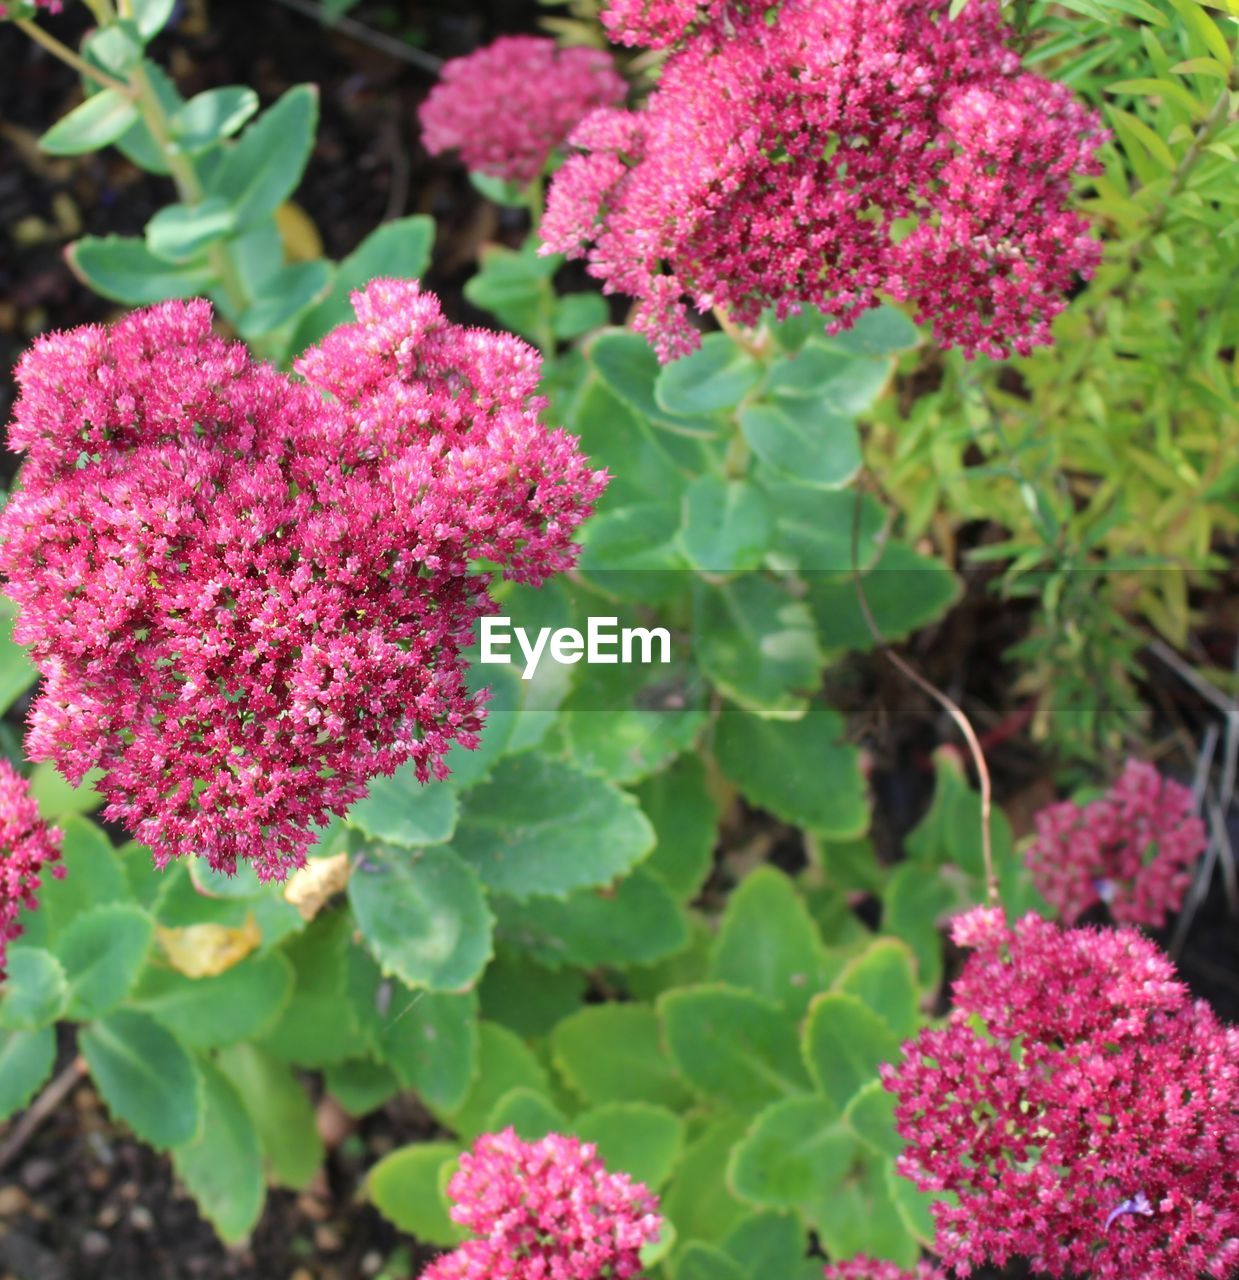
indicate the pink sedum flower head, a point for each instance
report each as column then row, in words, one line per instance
column 507, row 106
column 249, row 595
column 863, row 1267
column 1133, row 849
column 27, row 846
column 545, row 1210
column 828, row 154
column 1079, row 1106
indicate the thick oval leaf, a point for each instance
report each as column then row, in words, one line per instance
column 222, row 1166
column 859, row 1216
column 526, row 997
column 17, row 672
column 212, row 116
column 360, row 1085
column 698, row 1200
column 638, row 922
column 716, row 376
column 265, row 165
column 768, row 943
column 399, row 249
column 179, row 232
column 871, row 1117
column 531, row 1113
column 835, row 381
column 612, row 1053
column 844, row 1044
column 424, row 916
column 123, row 269
column 883, row 979
column 401, row 810
column 93, row 877
column 101, row 952
column 101, row 119
column 802, row 770
column 504, row 1063
column 541, row 827
column 636, row 1138
column 732, row 1046
column 286, row 293
column 57, row 797
column 205, row 1013
column 404, row 1188
column 35, row 992
column 802, row 441
column 281, row 1112
column 26, row 1060
column 727, row 525
column 904, row 590
column 768, row 1244
column 431, row 1041
column 685, row 816
column 145, row 1077
column 626, row 720
column 316, row 1026
column 701, row 1261
column 796, row 1151
column 757, row 645
column 633, row 552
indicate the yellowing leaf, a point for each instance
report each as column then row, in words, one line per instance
column 204, row 950
column 309, row 888
column 299, row 235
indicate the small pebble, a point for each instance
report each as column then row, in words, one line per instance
column 95, row 1244
column 37, row 1173
column 13, row 1200
column 327, row 1239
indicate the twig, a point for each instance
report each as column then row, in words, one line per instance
column 1204, row 762
column 1226, row 855
column 41, row 1108
column 951, row 708
column 365, row 35
column 66, row 55
column 1160, row 649
column 1200, row 887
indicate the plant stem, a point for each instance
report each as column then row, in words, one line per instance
column 188, row 185
column 947, row 704
column 753, row 346
column 140, row 89
column 66, row 55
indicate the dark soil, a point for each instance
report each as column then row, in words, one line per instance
column 83, row 1200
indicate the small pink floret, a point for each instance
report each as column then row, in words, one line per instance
column 1133, row 849
column 545, row 1210
column 507, row 106
column 1081, row 1110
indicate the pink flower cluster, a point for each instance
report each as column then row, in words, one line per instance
column 247, row 594
column 1079, row 1106
column 658, row 24
column 848, row 149
column 1132, row 849
column 865, row 1268
column 545, row 1210
column 507, row 106
column 52, row 6
column 27, row 845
